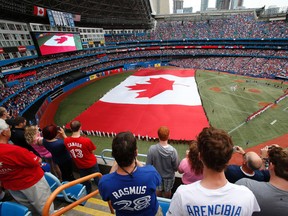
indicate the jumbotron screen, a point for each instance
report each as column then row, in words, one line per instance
column 58, row 42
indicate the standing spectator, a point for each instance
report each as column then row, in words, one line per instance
column 164, row 158
column 17, row 134
column 132, row 187
column 5, row 116
column 272, row 196
column 191, row 166
column 81, row 150
column 58, row 150
column 213, row 194
column 250, row 168
column 33, row 138
column 21, row 174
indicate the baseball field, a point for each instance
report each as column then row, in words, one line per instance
column 228, row 100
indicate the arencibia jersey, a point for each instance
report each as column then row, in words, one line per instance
column 132, row 195
column 230, row 200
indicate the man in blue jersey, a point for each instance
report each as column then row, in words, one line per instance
column 132, row 187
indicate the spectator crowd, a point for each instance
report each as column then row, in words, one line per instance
column 234, row 26
column 209, row 183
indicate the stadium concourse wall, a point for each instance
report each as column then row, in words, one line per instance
column 46, row 112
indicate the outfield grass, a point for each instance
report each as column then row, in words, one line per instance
column 231, row 108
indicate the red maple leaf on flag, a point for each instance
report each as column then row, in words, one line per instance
column 61, row 40
column 41, row 11
column 154, row 87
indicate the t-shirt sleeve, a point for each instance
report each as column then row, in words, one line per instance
column 180, row 167
column 175, row 205
column 26, row 158
column 158, row 177
column 253, row 204
column 103, row 190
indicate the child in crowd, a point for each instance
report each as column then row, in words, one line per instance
column 34, row 138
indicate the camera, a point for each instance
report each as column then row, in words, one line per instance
column 235, row 148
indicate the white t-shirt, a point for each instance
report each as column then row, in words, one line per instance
column 195, row 200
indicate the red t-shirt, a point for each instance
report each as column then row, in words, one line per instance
column 81, row 150
column 19, row 168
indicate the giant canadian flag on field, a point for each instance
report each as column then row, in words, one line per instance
column 147, row 100
column 58, row 43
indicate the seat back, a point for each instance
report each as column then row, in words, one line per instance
column 13, row 209
column 76, row 191
column 70, row 194
column 164, row 203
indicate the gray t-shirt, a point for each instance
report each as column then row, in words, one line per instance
column 271, row 200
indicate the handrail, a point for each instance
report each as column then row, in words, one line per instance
column 50, row 200
column 111, row 158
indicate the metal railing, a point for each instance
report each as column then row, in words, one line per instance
column 50, row 200
column 104, row 158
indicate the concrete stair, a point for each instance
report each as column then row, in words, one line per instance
column 93, row 206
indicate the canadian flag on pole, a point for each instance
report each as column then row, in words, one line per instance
column 39, row 11
column 147, row 100
column 58, row 43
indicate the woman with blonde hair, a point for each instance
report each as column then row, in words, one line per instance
column 191, row 167
column 33, row 138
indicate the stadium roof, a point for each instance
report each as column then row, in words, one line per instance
column 108, row 14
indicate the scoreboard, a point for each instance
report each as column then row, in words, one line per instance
column 59, row 18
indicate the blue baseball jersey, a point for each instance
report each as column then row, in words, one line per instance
column 132, row 195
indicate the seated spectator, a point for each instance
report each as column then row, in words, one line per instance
column 21, row 174
column 81, row 150
column 272, row 196
column 33, row 138
column 250, row 168
column 132, row 187
column 164, row 158
column 191, row 166
column 213, row 194
column 58, row 150
column 17, row 134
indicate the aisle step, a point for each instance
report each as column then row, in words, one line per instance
column 90, row 211
column 93, row 206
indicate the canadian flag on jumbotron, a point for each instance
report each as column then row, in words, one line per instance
column 58, row 43
column 147, row 100
column 39, row 11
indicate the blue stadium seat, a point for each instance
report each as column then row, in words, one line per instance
column 164, row 203
column 13, row 209
column 70, row 194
